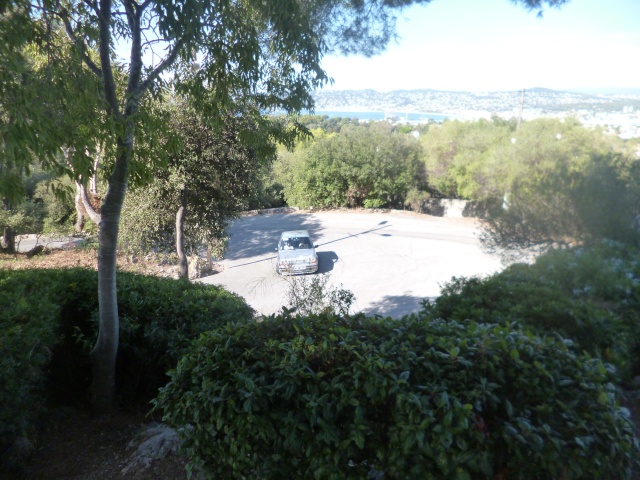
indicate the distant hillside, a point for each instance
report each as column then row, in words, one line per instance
column 449, row 102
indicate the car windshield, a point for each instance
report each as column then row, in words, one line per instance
column 295, row 243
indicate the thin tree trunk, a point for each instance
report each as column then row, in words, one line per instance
column 93, row 181
column 80, row 212
column 182, row 257
column 86, row 204
column 103, row 355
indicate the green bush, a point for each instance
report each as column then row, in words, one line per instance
column 591, row 296
column 367, row 165
column 159, row 320
column 48, row 325
column 325, row 397
column 27, row 334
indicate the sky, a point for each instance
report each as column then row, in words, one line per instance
column 493, row 45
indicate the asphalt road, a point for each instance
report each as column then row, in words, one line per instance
column 24, row 243
column 390, row 261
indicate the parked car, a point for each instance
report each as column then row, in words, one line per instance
column 296, row 253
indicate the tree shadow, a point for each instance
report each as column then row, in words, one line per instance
column 258, row 235
column 326, row 261
column 352, row 235
column 396, row 306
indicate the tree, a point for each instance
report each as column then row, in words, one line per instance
column 565, row 184
column 461, row 160
column 209, row 180
column 40, row 102
column 270, row 51
column 366, row 165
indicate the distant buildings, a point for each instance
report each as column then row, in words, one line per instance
column 619, row 113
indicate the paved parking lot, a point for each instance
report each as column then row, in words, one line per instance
column 390, row 261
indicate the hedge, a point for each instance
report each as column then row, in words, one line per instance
column 48, row 325
column 331, row 398
column 590, row 295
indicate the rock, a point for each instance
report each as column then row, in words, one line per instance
column 154, row 442
column 197, row 266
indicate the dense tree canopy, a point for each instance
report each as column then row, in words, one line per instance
column 210, row 179
column 464, row 159
column 563, row 183
column 367, row 165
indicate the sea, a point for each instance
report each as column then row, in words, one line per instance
column 410, row 117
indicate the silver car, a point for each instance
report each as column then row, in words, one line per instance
column 296, row 253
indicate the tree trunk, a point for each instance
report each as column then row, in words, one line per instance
column 182, row 257
column 209, row 260
column 8, row 243
column 103, row 355
column 80, row 211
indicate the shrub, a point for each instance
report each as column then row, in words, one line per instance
column 48, row 325
column 328, row 397
column 159, row 320
column 591, row 296
column 314, row 295
column 27, row 334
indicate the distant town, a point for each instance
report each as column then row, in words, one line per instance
column 620, row 112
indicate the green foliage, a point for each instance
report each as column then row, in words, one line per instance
column 566, row 185
column 214, row 176
column 27, row 334
column 552, row 181
column 59, row 212
column 464, row 159
column 44, row 209
column 366, row 165
column 45, row 90
column 313, row 295
column 327, row 124
column 329, row 397
column 417, row 200
column 591, row 296
column 48, row 325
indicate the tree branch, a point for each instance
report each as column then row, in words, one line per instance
column 108, row 82
column 93, row 215
column 167, row 62
column 79, row 43
column 92, row 5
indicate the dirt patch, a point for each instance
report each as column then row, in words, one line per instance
column 156, row 265
column 78, row 446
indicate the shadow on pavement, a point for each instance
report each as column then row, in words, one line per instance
column 396, row 306
column 259, row 234
column 360, row 233
column 326, row 261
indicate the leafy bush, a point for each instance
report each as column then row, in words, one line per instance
column 589, row 295
column 326, row 397
column 366, row 165
column 314, row 295
column 48, row 325
column 159, row 320
column 27, row 334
